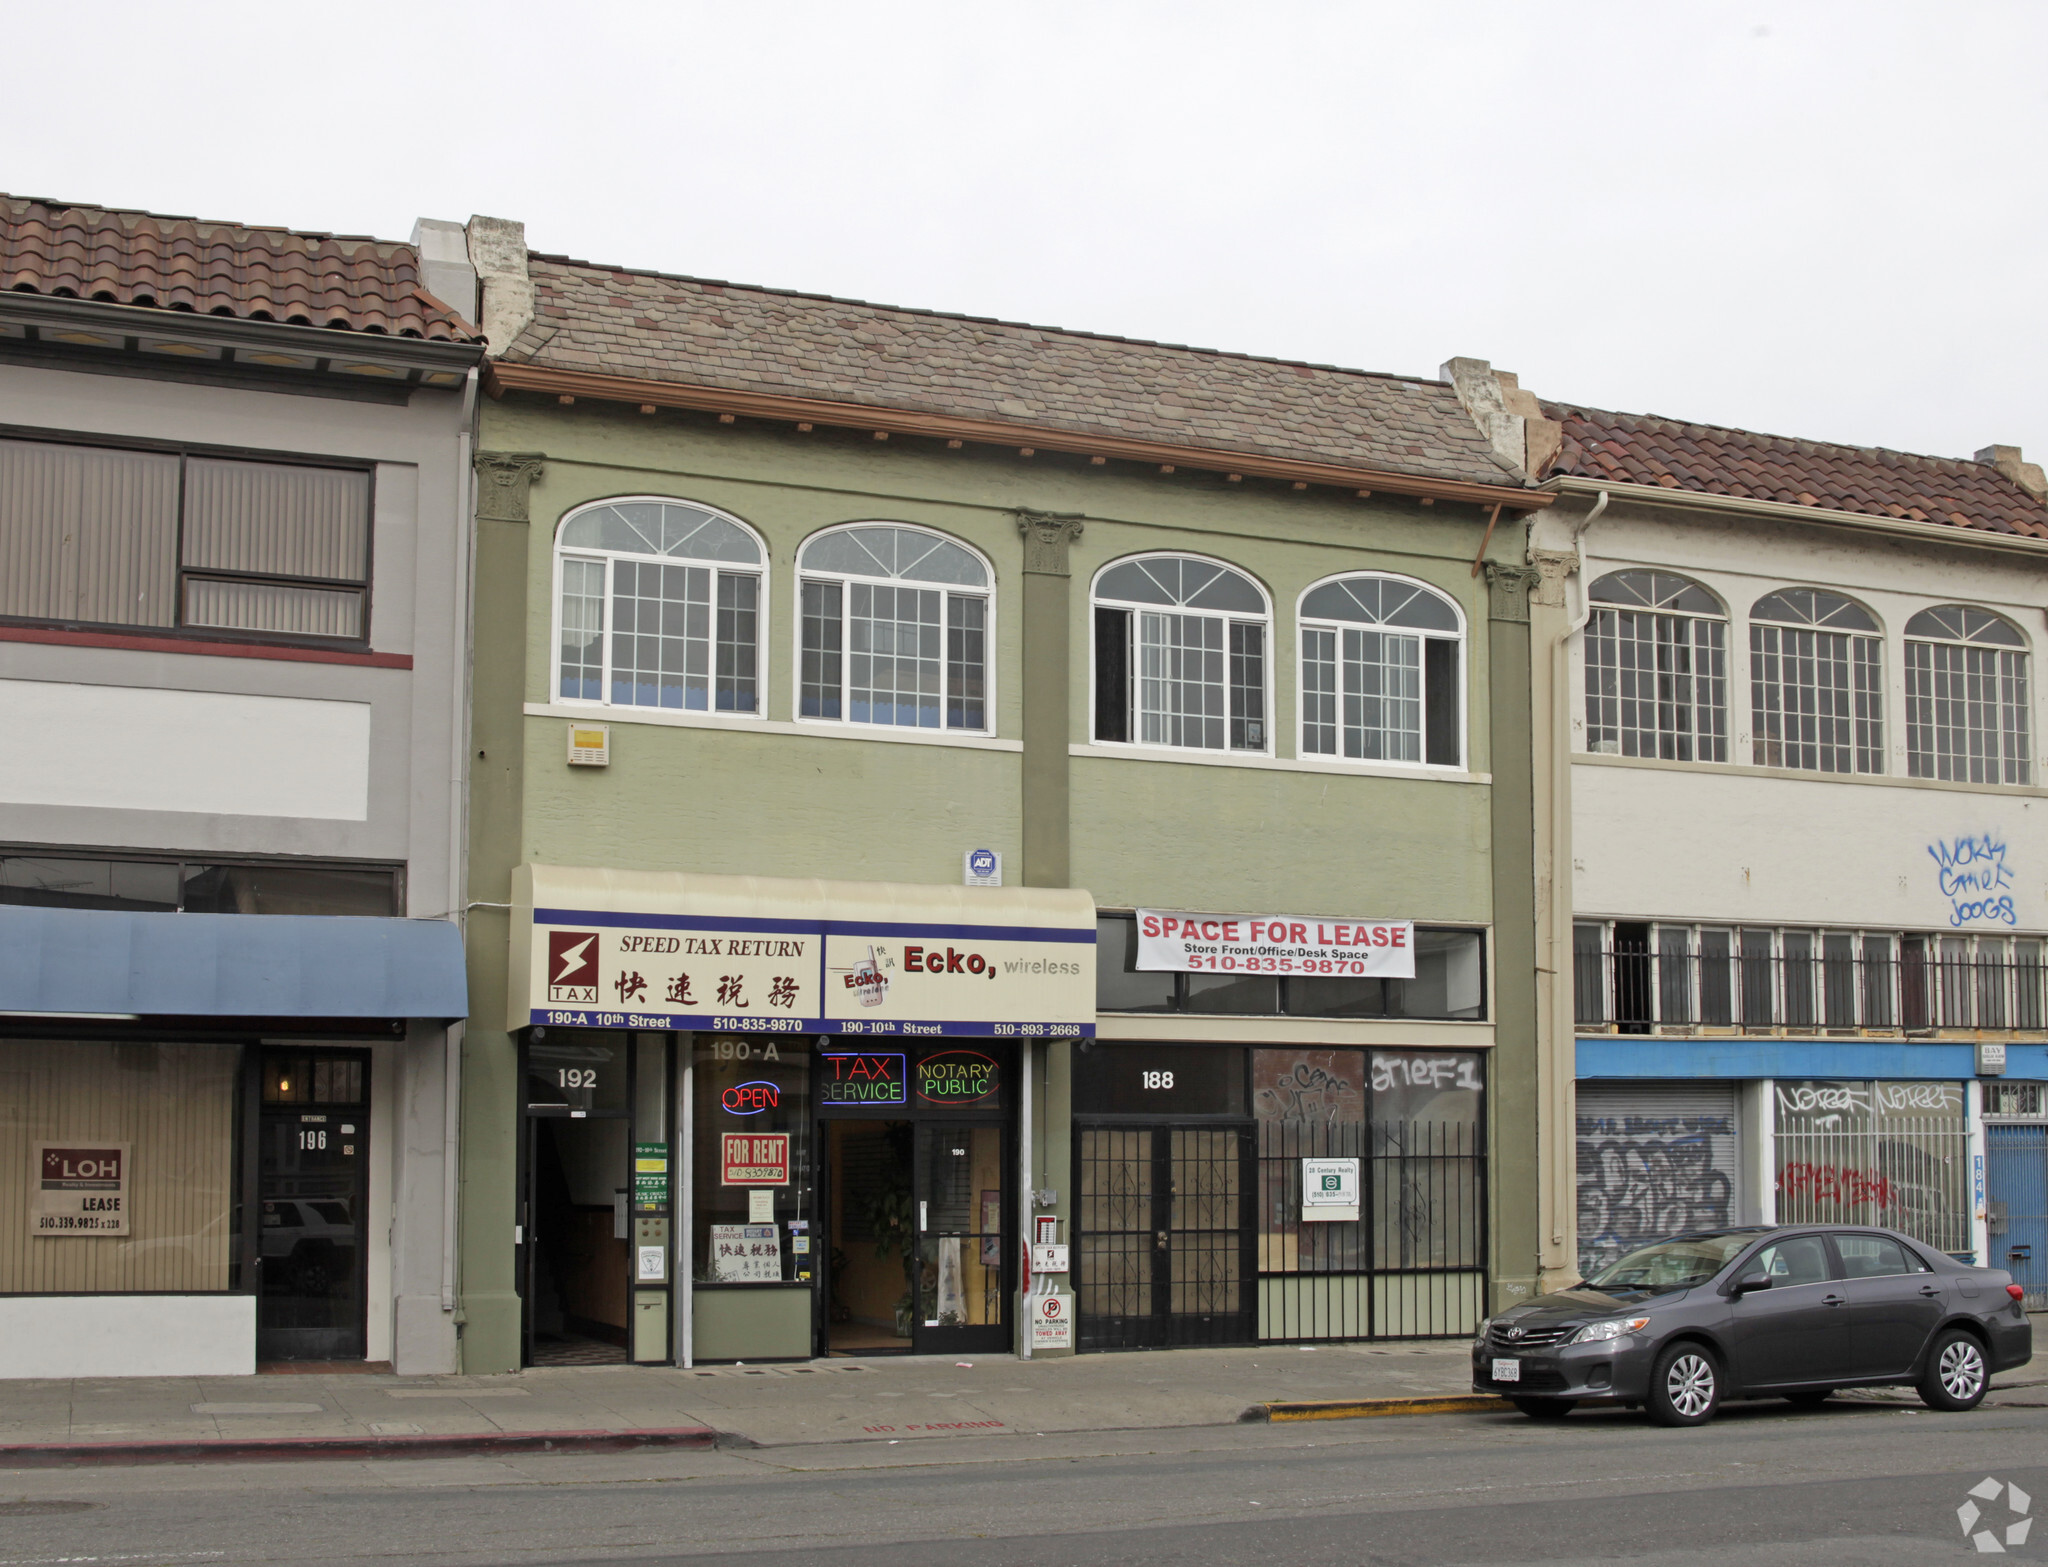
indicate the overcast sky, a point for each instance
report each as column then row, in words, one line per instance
column 1815, row 219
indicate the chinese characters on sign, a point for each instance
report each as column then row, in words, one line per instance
column 1274, row 944
column 746, row 1253
column 79, row 1189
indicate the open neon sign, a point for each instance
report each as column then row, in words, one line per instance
column 750, row 1098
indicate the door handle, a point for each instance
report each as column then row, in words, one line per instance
column 923, row 1218
column 1160, row 1240
column 1929, row 1291
column 1831, row 1300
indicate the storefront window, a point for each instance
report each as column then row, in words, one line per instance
column 753, row 1222
column 1427, row 1157
column 117, row 1166
column 1894, row 1154
column 576, row 1069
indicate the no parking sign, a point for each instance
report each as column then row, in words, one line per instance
column 1052, row 1321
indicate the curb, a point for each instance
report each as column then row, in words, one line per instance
column 66, row 1455
column 1366, row 1408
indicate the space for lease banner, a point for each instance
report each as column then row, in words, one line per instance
column 1274, row 944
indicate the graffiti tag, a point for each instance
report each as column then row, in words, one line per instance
column 1975, row 876
column 1836, row 1184
column 1645, row 1177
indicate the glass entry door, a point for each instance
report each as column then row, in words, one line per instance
column 1164, row 1245
column 964, row 1245
column 313, row 1162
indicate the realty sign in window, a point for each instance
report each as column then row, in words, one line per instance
column 755, row 1159
column 1274, row 944
column 79, row 1189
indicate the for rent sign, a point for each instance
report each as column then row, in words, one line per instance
column 1275, row 944
column 79, row 1189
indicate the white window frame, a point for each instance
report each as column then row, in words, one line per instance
column 1908, row 723
column 565, row 553
column 1732, row 648
column 1268, row 693
column 1858, row 751
column 801, row 575
column 1462, row 637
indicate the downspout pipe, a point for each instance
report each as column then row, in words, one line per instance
column 458, row 847
column 1563, row 1015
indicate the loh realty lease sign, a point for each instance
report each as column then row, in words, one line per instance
column 79, row 1189
column 1275, row 944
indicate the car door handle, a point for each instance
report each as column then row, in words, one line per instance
column 1929, row 1291
column 1831, row 1300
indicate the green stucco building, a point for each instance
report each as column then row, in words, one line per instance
column 984, row 837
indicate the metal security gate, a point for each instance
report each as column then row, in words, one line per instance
column 2016, row 1193
column 1655, row 1159
column 1906, row 1172
column 1165, row 1244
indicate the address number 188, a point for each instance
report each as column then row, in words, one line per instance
column 1155, row 1080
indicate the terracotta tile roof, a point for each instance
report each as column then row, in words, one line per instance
column 346, row 281
column 1644, row 449
column 655, row 327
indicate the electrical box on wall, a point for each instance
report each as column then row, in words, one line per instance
column 590, row 745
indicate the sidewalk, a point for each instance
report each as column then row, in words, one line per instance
column 878, row 1400
column 883, row 1400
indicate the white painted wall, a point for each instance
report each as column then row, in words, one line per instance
column 219, row 753
column 127, row 1336
column 1705, row 841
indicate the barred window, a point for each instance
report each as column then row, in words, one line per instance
column 1966, row 697
column 1656, row 669
column 1180, row 655
column 659, row 605
column 894, row 625
column 1816, row 683
column 1380, row 672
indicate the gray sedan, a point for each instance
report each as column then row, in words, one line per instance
column 1791, row 1312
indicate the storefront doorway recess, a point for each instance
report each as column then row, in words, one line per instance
column 312, row 1190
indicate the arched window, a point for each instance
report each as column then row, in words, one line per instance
column 1180, row 655
column 894, row 627
column 1380, row 674
column 1967, row 708
column 1656, row 668
column 1816, row 683
column 659, row 606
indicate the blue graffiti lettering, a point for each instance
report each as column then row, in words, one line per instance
column 1974, row 872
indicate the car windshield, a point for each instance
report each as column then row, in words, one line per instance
column 1669, row 1265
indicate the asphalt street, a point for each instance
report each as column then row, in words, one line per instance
column 1765, row 1484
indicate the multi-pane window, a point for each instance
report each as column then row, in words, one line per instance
column 1816, row 683
column 1656, row 669
column 1180, row 655
column 660, row 607
column 1635, row 977
column 1379, row 672
column 1966, row 697
column 94, row 536
column 894, row 627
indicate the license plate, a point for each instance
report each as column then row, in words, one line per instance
column 1507, row 1371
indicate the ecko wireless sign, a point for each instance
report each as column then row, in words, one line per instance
column 1274, row 944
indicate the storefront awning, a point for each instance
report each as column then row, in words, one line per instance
column 669, row 949
column 109, row 962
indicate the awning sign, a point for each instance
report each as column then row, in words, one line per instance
column 1274, row 944
column 749, row 955
column 78, row 1189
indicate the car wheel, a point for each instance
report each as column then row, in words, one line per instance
column 1957, row 1376
column 1545, row 1408
column 1685, row 1386
column 1810, row 1398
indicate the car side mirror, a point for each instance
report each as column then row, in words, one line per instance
column 1752, row 1281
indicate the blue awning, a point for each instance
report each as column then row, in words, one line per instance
column 229, row 965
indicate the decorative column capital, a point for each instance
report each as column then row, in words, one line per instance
column 1552, row 567
column 504, row 478
column 1046, row 537
column 1510, row 585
